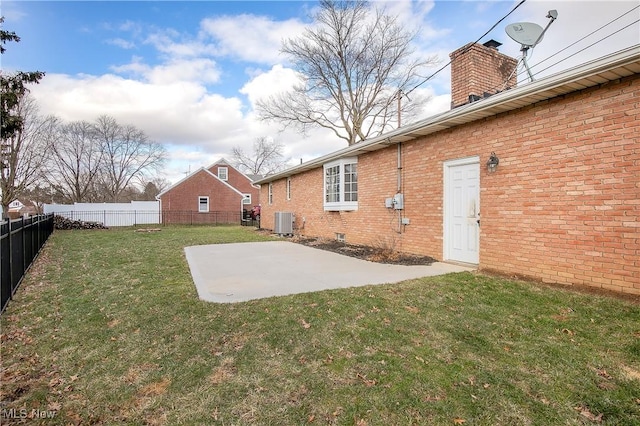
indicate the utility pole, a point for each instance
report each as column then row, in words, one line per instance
column 399, row 106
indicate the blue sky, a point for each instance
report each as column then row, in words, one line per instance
column 188, row 73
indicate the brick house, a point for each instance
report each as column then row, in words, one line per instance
column 562, row 204
column 19, row 208
column 216, row 194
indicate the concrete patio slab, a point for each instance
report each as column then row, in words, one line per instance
column 227, row 273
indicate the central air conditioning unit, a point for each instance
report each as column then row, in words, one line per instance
column 283, row 223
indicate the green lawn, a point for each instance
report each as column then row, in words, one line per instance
column 107, row 329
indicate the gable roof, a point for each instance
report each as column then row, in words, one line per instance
column 201, row 169
column 608, row 68
column 224, row 162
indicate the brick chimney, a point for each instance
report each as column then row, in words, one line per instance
column 479, row 71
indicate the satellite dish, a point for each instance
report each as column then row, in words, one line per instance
column 525, row 33
column 529, row 35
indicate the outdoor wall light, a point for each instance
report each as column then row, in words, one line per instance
column 492, row 162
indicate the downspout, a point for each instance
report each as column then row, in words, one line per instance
column 399, row 167
column 399, row 178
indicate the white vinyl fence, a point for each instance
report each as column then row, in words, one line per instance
column 110, row 214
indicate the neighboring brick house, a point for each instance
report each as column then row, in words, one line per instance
column 216, row 194
column 19, row 208
column 562, row 205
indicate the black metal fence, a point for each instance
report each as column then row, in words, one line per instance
column 20, row 242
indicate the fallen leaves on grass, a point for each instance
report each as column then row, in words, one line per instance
column 305, row 324
column 435, row 398
column 223, row 372
column 585, row 412
column 603, row 373
column 155, row 388
column 215, row 413
column 54, row 406
column 137, row 372
column 630, row 373
column 459, row 421
column 18, row 335
column 563, row 315
column 368, row 382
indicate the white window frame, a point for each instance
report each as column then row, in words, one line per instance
column 246, row 199
column 288, row 188
column 340, row 204
column 223, row 176
column 270, row 193
column 200, row 204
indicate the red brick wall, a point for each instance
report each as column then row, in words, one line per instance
column 184, row 197
column 240, row 182
column 563, row 206
column 476, row 69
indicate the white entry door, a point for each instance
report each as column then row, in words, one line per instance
column 462, row 210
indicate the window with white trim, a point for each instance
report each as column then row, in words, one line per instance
column 288, row 188
column 246, row 198
column 270, row 193
column 341, row 185
column 203, row 204
column 223, row 173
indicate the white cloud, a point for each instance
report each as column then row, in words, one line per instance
column 277, row 79
column 194, row 70
column 250, row 38
column 130, row 26
column 179, row 112
column 165, row 42
column 122, row 43
column 408, row 11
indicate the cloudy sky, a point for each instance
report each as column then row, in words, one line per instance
column 189, row 72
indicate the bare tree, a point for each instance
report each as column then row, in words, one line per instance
column 40, row 194
column 266, row 158
column 20, row 159
column 76, row 161
column 353, row 66
column 128, row 154
column 24, row 151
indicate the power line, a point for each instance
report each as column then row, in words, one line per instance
column 468, row 47
column 589, row 46
column 571, row 45
column 589, row 35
